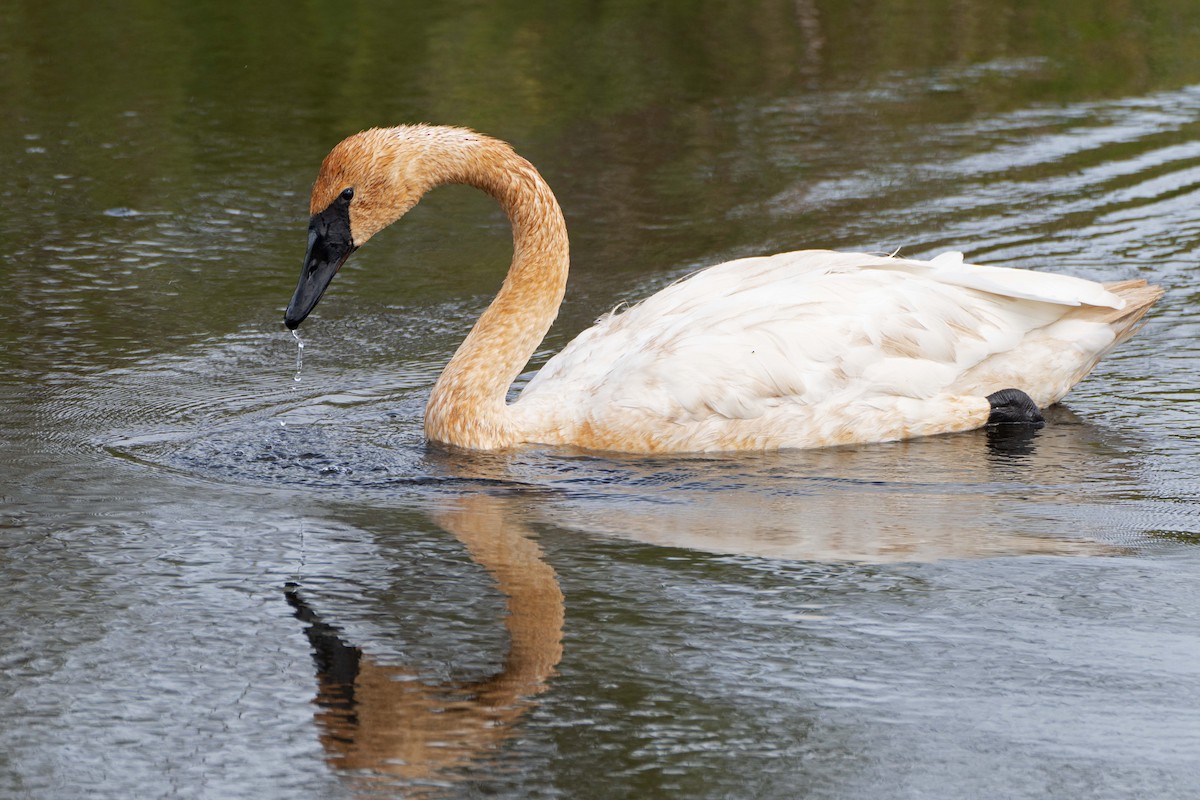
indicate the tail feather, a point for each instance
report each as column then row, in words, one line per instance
column 1046, row 367
column 1139, row 297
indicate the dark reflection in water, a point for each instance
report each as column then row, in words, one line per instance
column 389, row 720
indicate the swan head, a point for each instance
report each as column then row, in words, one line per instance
column 368, row 181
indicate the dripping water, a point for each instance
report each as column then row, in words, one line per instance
column 299, row 354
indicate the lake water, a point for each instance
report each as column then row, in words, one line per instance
column 221, row 582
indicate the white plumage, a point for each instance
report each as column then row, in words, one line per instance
column 814, row 348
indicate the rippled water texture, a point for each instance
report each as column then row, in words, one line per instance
column 224, row 582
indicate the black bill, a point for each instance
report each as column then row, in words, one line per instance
column 329, row 245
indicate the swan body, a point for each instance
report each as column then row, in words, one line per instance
column 803, row 349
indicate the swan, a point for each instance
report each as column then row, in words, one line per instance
column 796, row 350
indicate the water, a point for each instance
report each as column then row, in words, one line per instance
column 222, row 582
column 299, row 355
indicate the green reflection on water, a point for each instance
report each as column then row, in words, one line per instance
column 208, row 119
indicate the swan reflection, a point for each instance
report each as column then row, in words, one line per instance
column 381, row 721
column 973, row 495
column 965, row 496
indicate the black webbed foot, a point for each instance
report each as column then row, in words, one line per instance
column 1014, row 407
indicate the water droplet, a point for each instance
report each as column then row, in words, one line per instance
column 299, row 354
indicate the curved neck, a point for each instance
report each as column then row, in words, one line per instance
column 467, row 406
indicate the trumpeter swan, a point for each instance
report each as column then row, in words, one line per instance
column 804, row 349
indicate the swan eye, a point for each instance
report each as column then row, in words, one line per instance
column 348, row 193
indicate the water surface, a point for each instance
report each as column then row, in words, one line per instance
column 221, row 582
